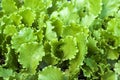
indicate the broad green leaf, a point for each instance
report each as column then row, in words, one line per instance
column 79, row 3
column 114, row 27
column 51, row 73
column 87, row 20
column 76, row 63
column 25, row 35
column 50, row 60
column 69, row 48
column 58, row 26
column 28, row 16
column 72, row 30
column 110, row 40
column 16, row 18
column 50, row 34
column 38, row 4
column 40, row 35
column 112, row 54
column 92, row 45
column 30, row 55
column 9, row 8
column 91, row 63
column 32, row 3
column 82, row 37
column 24, row 76
column 41, row 20
column 117, row 67
column 11, row 59
column 95, row 7
column 110, row 75
column 68, row 14
column 47, row 47
column 64, row 14
column 6, row 20
column 5, row 73
column 55, row 49
column 10, row 30
column 109, row 7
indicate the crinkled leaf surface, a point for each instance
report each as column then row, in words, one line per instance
column 90, row 62
column 50, row 34
column 110, row 76
column 113, row 54
column 117, row 68
column 51, row 73
column 71, row 30
column 66, row 16
column 114, row 27
column 28, row 16
column 23, row 36
column 80, row 39
column 5, row 72
column 34, row 4
column 78, row 61
column 9, row 8
column 55, row 49
column 69, row 48
column 58, row 27
column 95, row 7
column 16, row 18
column 109, row 7
column 10, row 30
column 30, row 55
column 92, row 44
column 11, row 59
column 87, row 20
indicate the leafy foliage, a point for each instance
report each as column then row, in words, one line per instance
column 59, row 39
column 51, row 73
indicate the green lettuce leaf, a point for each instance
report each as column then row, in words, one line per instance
column 33, row 4
column 90, row 62
column 51, row 73
column 23, row 36
column 33, row 52
column 9, row 8
column 95, row 7
column 69, row 48
column 110, row 75
column 109, row 7
column 50, row 34
column 76, row 63
column 28, row 16
column 113, row 54
column 16, row 18
column 10, row 30
column 6, row 73
column 114, row 27
column 117, row 67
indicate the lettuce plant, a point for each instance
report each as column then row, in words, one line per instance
column 59, row 39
